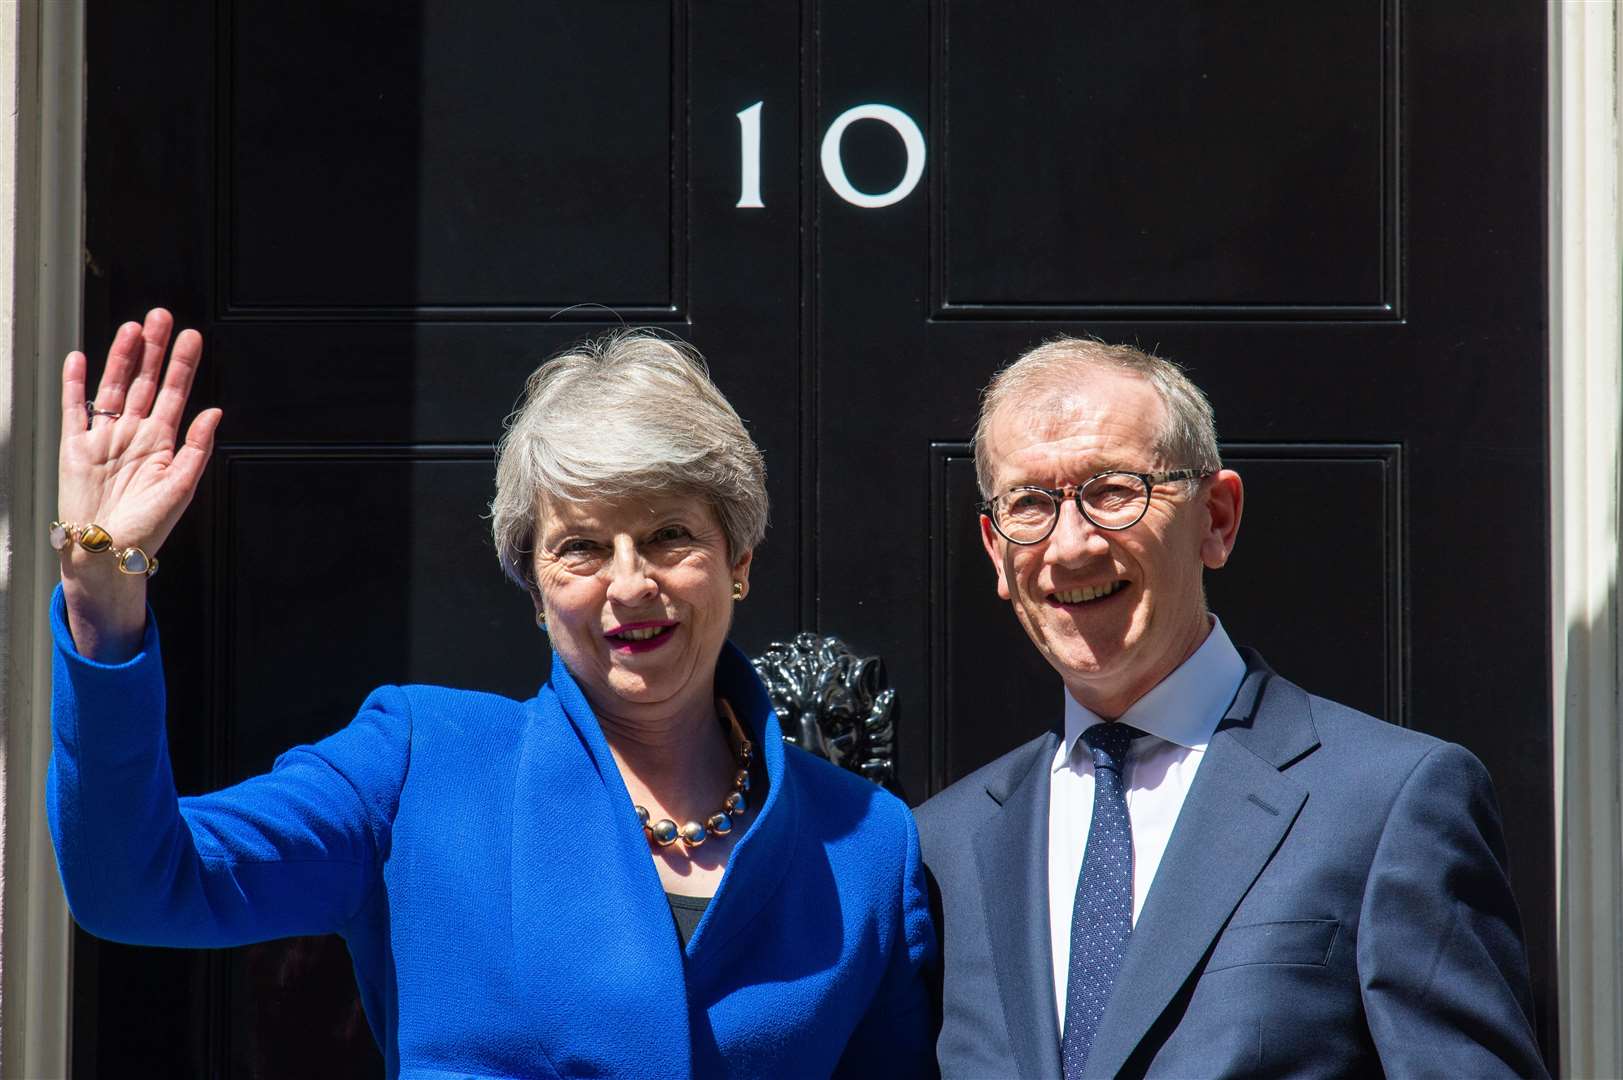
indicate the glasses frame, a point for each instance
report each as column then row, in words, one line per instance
column 1073, row 492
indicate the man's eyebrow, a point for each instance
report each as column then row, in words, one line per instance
column 1072, row 476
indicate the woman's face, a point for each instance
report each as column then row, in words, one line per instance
column 638, row 598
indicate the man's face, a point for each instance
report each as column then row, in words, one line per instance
column 1145, row 611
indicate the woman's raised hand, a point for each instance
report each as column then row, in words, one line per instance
column 128, row 472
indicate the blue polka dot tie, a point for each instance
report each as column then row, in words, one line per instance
column 1102, row 919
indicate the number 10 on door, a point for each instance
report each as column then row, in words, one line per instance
column 749, row 156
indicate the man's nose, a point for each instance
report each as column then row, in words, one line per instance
column 1075, row 538
column 629, row 579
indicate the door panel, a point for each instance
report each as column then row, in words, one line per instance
column 469, row 194
column 1156, row 158
column 383, row 216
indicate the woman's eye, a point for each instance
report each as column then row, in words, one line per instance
column 575, row 549
column 669, row 534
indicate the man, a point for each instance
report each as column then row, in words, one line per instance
column 1214, row 873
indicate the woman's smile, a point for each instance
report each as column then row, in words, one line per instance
column 640, row 637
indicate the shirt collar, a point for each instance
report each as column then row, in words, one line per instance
column 1183, row 708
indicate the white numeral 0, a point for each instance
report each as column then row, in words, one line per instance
column 912, row 141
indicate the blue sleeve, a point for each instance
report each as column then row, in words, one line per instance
column 294, row 851
column 896, row 1037
column 1440, row 956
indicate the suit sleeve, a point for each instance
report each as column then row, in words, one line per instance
column 896, row 1037
column 1442, row 967
column 294, row 851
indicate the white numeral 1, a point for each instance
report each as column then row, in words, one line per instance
column 749, row 158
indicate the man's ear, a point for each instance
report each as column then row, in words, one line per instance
column 990, row 538
column 1225, row 499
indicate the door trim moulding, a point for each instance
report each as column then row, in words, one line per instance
column 42, row 57
column 1586, row 371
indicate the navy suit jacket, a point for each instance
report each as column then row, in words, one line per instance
column 1333, row 901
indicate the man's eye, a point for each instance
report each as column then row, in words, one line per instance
column 1030, row 504
column 1111, row 494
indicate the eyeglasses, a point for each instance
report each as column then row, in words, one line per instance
column 1110, row 500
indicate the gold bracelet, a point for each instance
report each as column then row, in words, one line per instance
column 94, row 539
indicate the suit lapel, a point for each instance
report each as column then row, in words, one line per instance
column 624, row 922
column 1238, row 811
column 1012, row 856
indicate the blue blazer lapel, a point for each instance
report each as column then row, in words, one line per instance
column 1012, row 856
column 1238, row 812
column 565, row 766
column 761, row 857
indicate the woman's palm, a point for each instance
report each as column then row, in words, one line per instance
column 130, row 473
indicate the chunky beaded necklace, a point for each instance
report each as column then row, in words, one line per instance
column 665, row 832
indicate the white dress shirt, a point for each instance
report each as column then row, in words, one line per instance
column 1178, row 717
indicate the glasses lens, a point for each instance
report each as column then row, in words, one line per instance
column 1024, row 515
column 1115, row 500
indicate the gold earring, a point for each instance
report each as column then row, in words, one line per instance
column 738, row 590
column 541, row 620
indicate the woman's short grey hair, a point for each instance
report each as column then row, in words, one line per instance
column 628, row 413
column 1187, row 441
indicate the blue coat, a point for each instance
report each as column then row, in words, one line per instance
column 1333, row 902
column 481, row 858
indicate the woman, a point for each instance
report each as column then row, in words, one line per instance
column 511, row 877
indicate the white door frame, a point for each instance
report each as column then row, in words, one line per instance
column 41, row 216
column 1586, row 412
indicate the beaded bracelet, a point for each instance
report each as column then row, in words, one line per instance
column 94, row 539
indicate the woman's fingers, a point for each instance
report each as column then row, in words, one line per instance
column 136, row 477
column 194, row 454
column 177, row 381
column 123, row 360
column 73, row 393
column 154, row 340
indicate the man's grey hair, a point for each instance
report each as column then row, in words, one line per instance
column 1187, row 441
column 629, row 413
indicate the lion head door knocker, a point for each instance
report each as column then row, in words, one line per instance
column 830, row 701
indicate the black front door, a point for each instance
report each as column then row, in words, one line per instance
column 382, row 216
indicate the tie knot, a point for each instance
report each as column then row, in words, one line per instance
column 1108, row 743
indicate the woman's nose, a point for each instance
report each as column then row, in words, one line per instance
column 629, row 580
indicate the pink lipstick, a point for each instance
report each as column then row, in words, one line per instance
column 640, row 637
